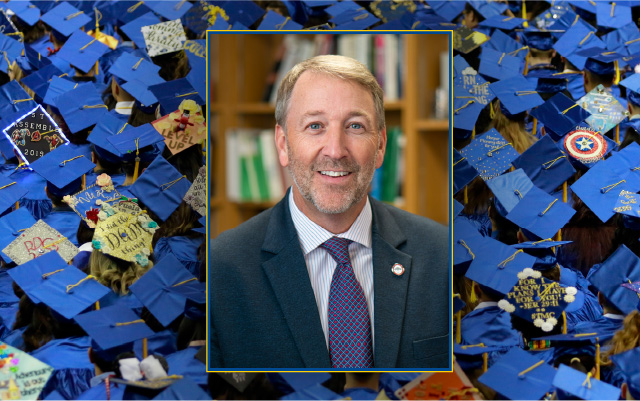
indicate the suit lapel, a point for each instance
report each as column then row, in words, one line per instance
column 289, row 279
column 390, row 290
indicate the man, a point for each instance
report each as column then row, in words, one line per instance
column 328, row 277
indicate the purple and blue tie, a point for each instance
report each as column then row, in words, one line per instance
column 349, row 322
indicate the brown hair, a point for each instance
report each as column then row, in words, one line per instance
column 512, row 129
column 628, row 337
column 179, row 223
column 115, row 273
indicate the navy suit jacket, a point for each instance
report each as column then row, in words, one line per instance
column 263, row 313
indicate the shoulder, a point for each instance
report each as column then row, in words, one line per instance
column 414, row 227
column 242, row 240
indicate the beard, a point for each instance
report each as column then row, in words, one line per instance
column 328, row 198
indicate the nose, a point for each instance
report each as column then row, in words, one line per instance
column 335, row 146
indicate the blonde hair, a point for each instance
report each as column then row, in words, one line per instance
column 115, row 273
column 511, row 130
column 340, row 67
column 628, row 337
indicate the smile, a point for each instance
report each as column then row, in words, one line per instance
column 335, row 173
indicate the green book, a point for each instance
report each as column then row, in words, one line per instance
column 390, row 165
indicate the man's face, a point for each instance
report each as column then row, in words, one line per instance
column 332, row 144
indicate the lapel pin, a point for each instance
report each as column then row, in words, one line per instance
column 397, row 269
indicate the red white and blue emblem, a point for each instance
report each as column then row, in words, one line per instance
column 585, row 145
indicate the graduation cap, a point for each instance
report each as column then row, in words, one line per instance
column 613, row 15
column 623, row 40
column 128, row 67
column 170, row 10
column 35, row 271
column 467, row 241
column 545, row 164
column 82, row 51
column 628, row 204
column 490, row 154
column 10, row 50
column 11, row 225
column 126, row 11
column 22, row 373
column 27, row 12
column 540, row 213
column 458, row 64
column 585, row 147
column 458, row 303
column 38, row 81
column 63, row 168
column 198, row 16
column 107, row 127
column 502, row 22
column 622, row 267
column 123, row 235
column 560, row 115
column 113, row 330
column 486, row 8
column 580, row 36
column 632, row 83
column 627, row 363
column 10, row 193
column 497, row 265
column 34, row 135
column 35, row 59
column 600, row 61
column 133, row 142
column 240, row 381
column 557, row 19
column 516, row 94
column 545, row 255
column 133, row 29
column 275, row 21
column 463, row 172
column 65, row 19
column 456, row 206
column 152, row 289
column 163, row 38
column 57, row 86
column 184, row 389
column 583, row 386
column 81, row 107
column 538, row 39
column 448, row 10
column 519, row 375
column 498, row 65
column 14, row 101
column 145, row 99
column 547, row 81
column 502, row 42
column 243, row 13
column 466, row 40
column 509, row 189
column 171, row 94
column 471, row 94
column 196, row 196
column 87, row 202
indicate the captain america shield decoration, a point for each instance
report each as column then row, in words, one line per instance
column 585, row 146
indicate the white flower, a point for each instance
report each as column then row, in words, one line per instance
column 146, row 251
column 569, row 298
column 571, row 291
column 99, row 202
column 552, row 320
column 102, row 215
column 547, row 326
column 538, row 322
column 504, row 305
column 536, row 274
column 522, row 276
column 528, row 271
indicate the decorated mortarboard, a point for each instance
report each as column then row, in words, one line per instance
column 471, row 94
column 627, row 363
column 24, row 10
column 502, row 22
column 498, row 65
column 580, row 36
column 24, row 377
column 497, row 265
column 171, row 94
column 613, row 15
column 490, row 154
column 10, row 193
column 540, row 213
column 557, row 19
column 509, row 189
column 459, row 64
column 583, row 386
column 57, row 86
column 486, row 8
column 34, row 135
column 123, row 235
column 62, row 167
column 82, row 51
column 196, row 196
column 544, row 251
column 81, row 107
column 275, row 21
column 448, row 10
column 200, row 17
column 545, row 164
column 243, row 13
column 357, row 19
column 153, row 289
column 65, row 19
column 38, row 240
column 438, row 386
column 129, row 68
column 87, row 202
column 466, row 40
column 584, row 146
column 628, row 204
column 240, row 381
column 516, row 94
column 163, row 38
column 519, row 375
column 170, row 10
column 538, row 300
column 632, row 83
column 11, row 225
column 184, row 389
column 560, row 115
column 622, row 267
column 133, row 29
column 463, row 172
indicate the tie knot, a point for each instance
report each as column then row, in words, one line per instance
column 338, row 248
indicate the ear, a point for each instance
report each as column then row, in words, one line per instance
column 281, row 146
column 623, row 391
column 520, row 236
column 382, row 146
column 93, row 157
column 90, row 356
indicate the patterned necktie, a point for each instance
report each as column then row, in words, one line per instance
column 349, row 323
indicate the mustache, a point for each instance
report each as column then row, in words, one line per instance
column 333, row 164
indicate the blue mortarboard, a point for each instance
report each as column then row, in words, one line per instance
column 11, row 225
column 129, row 68
column 221, row 25
column 547, row 82
column 579, row 36
column 133, row 139
column 466, row 242
column 463, row 172
column 516, row 94
column 14, row 101
column 108, row 126
column 448, row 10
column 113, row 328
column 354, row 20
column 184, row 389
column 57, row 86
column 161, row 188
column 585, row 147
column 627, row 363
column 628, row 204
column 275, row 21
column 68, row 291
column 35, row 59
column 35, row 272
column 342, row 6
column 128, row 10
column 458, row 303
column 498, row 65
column 455, row 205
column 545, row 164
column 244, row 13
column 10, row 193
column 203, row 222
column 62, row 167
column 587, row 6
column 560, row 115
column 600, row 60
column 170, row 10
column 152, row 289
column 38, row 81
column 557, row 19
column 196, row 54
column 502, row 42
column 519, row 375
column 471, row 94
column 82, row 51
column 24, row 10
column 10, row 50
column 623, row 40
column 171, row 94
column 577, row 384
column 623, row 266
column 497, row 265
column 65, row 19
column 509, row 189
column 132, row 28
column 197, row 18
column 473, row 349
column 502, row 22
column 490, row 154
column 545, row 255
column 82, row 107
column 538, row 39
column 488, row 8
column 613, row 15
column 632, row 83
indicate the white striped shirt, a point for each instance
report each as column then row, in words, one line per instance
column 320, row 264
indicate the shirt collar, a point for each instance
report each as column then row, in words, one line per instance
column 614, row 316
column 485, row 304
column 124, row 107
column 312, row 235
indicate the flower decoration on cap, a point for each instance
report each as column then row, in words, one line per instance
column 69, row 200
column 142, row 259
column 93, row 217
column 529, row 272
column 104, row 181
column 506, row 306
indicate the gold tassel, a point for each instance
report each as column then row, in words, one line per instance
column 17, row 205
column 564, row 192
column 145, row 350
column 84, row 182
column 466, row 196
column 526, row 63
column 485, row 362
column 617, row 80
column 458, row 328
column 564, row 323
column 472, row 297
column 492, row 114
column 597, row 359
column 97, row 305
column 135, row 169
column 97, row 68
column 535, row 126
column 473, row 133
column 524, row 14
column 618, row 134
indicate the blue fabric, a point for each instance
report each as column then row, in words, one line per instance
column 575, row 86
column 81, row 260
column 184, row 363
column 601, row 325
column 163, row 343
column 635, row 123
column 7, row 297
column 129, row 300
column 72, row 369
column 612, row 375
column 99, row 392
column 547, row 355
column 121, row 117
column 117, row 179
column 66, row 222
column 15, row 339
column 36, row 201
column 185, row 249
column 591, row 309
column 359, row 394
column 481, row 221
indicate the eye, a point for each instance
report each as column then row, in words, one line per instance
column 314, row 126
column 356, row 126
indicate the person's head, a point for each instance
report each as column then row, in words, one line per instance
column 591, row 80
column 626, row 338
column 331, row 132
column 115, row 273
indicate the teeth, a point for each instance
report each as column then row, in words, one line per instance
column 335, row 173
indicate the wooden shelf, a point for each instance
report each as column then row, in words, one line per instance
column 428, row 124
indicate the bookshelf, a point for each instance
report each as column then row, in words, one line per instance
column 240, row 65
